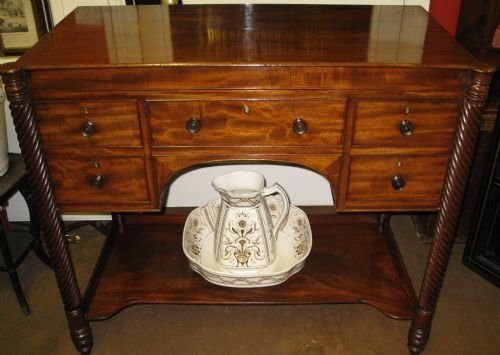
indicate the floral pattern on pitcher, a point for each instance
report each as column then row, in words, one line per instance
column 247, row 226
column 244, row 243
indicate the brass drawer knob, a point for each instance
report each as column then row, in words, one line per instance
column 406, row 128
column 87, row 129
column 299, row 126
column 193, row 125
column 398, row 182
column 97, row 181
column 246, row 109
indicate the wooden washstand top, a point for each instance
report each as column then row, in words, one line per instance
column 272, row 35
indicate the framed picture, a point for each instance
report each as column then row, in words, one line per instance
column 22, row 23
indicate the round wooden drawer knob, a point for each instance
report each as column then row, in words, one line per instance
column 300, row 126
column 406, row 128
column 193, row 125
column 398, row 182
column 87, row 129
column 97, row 181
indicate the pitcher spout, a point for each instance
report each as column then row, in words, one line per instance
column 240, row 188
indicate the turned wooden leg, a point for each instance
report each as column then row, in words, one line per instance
column 43, row 198
column 451, row 199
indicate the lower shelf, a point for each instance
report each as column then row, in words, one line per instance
column 354, row 259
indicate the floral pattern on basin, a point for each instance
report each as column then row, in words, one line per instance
column 293, row 245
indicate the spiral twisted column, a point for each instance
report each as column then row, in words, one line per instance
column 51, row 225
column 451, row 200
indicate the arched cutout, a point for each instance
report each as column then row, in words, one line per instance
column 192, row 186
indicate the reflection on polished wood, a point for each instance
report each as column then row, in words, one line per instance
column 247, row 34
column 379, row 278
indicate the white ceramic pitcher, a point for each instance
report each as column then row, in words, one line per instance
column 245, row 236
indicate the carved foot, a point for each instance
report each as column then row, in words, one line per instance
column 80, row 331
column 418, row 335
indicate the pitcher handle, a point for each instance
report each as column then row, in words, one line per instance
column 277, row 189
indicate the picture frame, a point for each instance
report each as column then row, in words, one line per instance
column 22, row 23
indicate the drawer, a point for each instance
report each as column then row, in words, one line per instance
column 405, row 123
column 92, row 123
column 396, row 178
column 99, row 180
column 247, row 123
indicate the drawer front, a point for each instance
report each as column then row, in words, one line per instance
column 99, row 180
column 404, row 123
column 396, row 178
column 94, row 123
column 247, row 123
